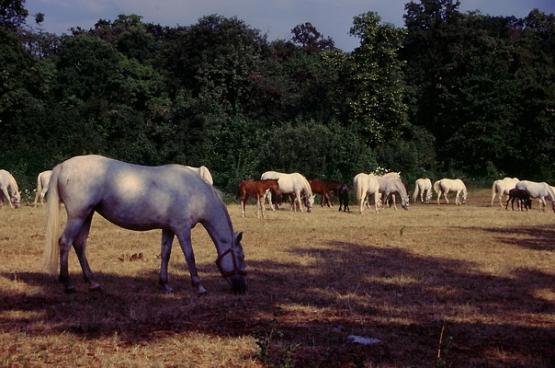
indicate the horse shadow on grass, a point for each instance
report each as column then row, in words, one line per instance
column 330, row 291
column 540, row 238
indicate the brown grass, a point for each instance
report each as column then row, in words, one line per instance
column 484, row 274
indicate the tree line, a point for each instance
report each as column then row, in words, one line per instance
column 449, row 94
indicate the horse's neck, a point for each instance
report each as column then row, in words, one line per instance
column 218, row 225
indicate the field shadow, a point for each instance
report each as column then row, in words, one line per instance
column 540, row 238
column 340, row 288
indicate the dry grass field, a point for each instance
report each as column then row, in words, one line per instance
column 472, row 284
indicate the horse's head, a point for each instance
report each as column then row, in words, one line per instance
column 16, row 199
column 405, row 201
column 465, row 194
column 232, row 265
column 309, row 202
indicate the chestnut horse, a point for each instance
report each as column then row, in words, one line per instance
column 256, row 188
column 324, row 188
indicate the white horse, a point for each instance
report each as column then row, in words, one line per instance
column 9, row 190
column 42, row 186
column 444, row 186
column 538, row 190
column 501, row 187
column 295, row 184
column 364, row 186
column 140, row 198
column 204, row 173
column 422, row 186
column 391, row 183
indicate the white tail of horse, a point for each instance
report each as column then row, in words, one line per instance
column 51, row 254
column 437, row 189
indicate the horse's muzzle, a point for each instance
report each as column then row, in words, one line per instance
column 238, row 284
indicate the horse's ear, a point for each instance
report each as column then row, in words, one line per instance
column 238, row 237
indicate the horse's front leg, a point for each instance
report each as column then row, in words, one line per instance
column 165, row 252
column 7, row 196
column 269, row 197
column 258, row 206
column 185, row 241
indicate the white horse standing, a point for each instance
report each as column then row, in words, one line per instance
column 295, row 184
column 502, row 187
column 422, row 186
column 444, row 186
column 364, row 186
column 9, row 190
column 140, row 198
column 538, row 190
column 204, row 173
column 42, row 186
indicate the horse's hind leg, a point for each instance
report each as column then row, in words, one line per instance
column 79, row 244
column 165, row 252
column 185, row 241
column 71, row 232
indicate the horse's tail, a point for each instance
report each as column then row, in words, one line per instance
column 436, row 186
column 205, row 175
column 415, row 193
column 39, row 189
column 51, row 254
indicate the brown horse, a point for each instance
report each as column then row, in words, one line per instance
column 256, row 188
column 324, row 188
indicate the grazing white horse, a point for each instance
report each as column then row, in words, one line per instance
column 295, row 184
column 391, row 183
column 444, row 186
column 364, row 186
column 502, row 187
column 140, row 198
column 42, row 186
column 538, row 190
column 204, row 173
column 9, row 190
column 422, row 186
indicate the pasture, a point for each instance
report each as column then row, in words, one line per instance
column 439, row 286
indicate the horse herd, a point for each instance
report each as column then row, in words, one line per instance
column 174, row 198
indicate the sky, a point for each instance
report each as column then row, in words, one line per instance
column 275, row 18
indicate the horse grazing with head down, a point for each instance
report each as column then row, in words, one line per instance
column 294, row 184
column 42, row 186
column 324, row 188
column 9, row 190
column 140, row 198
column 444, row 186
column 502, row 187
column 538, row 190
column 391, row 184
column 256, row 188
column 422, row 186
column 524, row 201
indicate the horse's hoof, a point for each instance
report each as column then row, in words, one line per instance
column 201, row 291
column 94, row 286
column 69, row 289
column 167, row 289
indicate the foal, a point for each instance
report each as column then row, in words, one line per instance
column 324, row 188
column 343, row 194
column 524, row 201
column 256, row 188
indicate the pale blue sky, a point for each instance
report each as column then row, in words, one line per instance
column 274, row 17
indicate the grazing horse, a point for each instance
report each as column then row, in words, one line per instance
column 42, row 186
column 203, row 172
column 139, row 198
column 502, row 187
column 421, row 186
column 524, row 201
column 391, row 183
column 538, row 190
column 9, row 190
column 444, row 186
column 324, row 188
column 343, row 194
column 294, row 184
column 364, row 186
column 256, row 188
